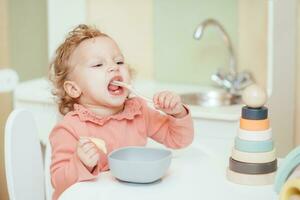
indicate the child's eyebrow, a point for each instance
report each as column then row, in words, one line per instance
column 119, row 56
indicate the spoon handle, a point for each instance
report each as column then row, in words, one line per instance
column 131, row 89
column 141, row 96
column 147, row 99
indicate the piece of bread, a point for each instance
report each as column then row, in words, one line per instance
column 99, row 143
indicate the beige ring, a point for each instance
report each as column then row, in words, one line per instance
column 263, row 157
column 255, row 135
column 254, row 125
column 250, row 179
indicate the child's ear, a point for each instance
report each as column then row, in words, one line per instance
column 72, row 89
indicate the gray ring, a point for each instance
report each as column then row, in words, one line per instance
column 254, row 113
column 252, row 168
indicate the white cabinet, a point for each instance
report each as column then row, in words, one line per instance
column 215, row 129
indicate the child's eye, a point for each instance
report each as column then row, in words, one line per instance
column 120, row 63
column 98, row 65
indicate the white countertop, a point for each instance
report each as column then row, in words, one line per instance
column 195, row 173
column 39, row 91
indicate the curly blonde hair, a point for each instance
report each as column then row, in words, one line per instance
column 59, row 68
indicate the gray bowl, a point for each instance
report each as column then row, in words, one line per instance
column 139, row 164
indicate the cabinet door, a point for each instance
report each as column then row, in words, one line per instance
column 214, row 129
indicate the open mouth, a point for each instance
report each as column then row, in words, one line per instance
column 114, row 89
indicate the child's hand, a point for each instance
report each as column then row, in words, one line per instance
column 88, row 153
column 169, row 103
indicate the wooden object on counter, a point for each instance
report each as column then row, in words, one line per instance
column 254, row 157
column 250, row 179
column 254, row 96
column 254, row 125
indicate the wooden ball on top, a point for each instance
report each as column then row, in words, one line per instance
column 254, row 96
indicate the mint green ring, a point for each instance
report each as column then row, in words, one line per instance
column 253, row 146
column 290, row 162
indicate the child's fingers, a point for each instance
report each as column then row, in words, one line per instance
column 162, row 98
column 168, row 100
column 176, row 100
column 180, row 107
column 155, row 98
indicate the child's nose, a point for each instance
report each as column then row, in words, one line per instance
column 113, row 67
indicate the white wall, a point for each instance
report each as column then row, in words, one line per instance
column 130, row 23
column 4, row 57
column 63, row 15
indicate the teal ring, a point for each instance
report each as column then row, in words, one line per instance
column 290, row 162
column 253, row 146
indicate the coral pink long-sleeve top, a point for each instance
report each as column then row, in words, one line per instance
column 131, row 127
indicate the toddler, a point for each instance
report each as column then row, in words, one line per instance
column 85, row 65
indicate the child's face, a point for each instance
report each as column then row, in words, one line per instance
column 96, row 62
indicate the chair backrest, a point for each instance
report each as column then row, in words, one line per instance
column 23, row 157
column 48, row 186
column 8, row 79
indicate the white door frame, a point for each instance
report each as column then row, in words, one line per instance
column 63, row 16
column 281, row 80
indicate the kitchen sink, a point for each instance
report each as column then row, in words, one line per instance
column 211, row 98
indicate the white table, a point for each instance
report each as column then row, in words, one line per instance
column 193, row 174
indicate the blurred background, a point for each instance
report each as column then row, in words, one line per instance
column 156, row 37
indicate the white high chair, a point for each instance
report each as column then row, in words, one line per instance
column 49, row 189
column 23, row 157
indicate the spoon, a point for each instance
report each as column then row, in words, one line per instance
column 131, row 89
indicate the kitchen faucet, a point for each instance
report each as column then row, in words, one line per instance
column 232, row 80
